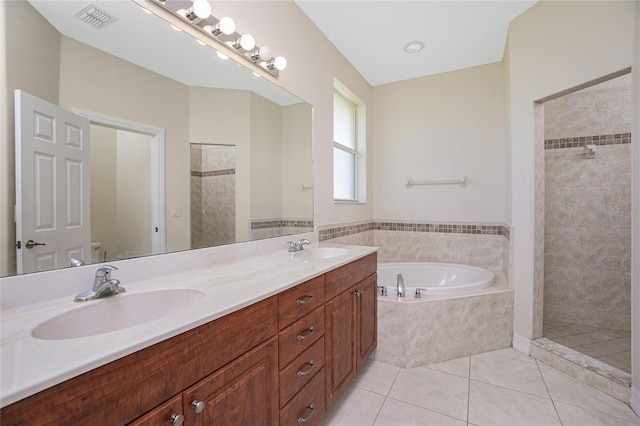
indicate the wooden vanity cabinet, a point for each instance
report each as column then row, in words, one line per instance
column 301, row 353
column 245, row 392
column 282, row 361
column 350, row 323
column 126, row 389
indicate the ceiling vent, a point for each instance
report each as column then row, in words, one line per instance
column 94, row 16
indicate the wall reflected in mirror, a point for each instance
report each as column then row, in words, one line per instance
column 140, row 69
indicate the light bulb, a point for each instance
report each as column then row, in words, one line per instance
column 247, row 42
column 227, row 25
column 280, row 63
column 202, row 8
column 222, row 56
column 264, row 53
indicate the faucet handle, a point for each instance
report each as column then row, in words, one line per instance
column 105, row 270
column 292, row 246
column 418, row 295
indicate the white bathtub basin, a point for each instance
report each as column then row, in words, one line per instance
column 437, row 278
column 116, row 312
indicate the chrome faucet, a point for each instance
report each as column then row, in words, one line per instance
column 400, row 285
column 293, row 247
column 383, row 290
column 103, row 285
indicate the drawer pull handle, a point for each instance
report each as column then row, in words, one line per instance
column 177, row 419
column 198, row 406
column 306, row 419
column 306, row 334
column 305, row 300
column 307, row 370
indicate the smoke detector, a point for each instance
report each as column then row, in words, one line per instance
column 94, row 16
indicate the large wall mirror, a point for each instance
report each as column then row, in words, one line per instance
column 181, row 141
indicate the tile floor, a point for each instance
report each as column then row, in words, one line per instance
column 503, row 387
column 612, row 347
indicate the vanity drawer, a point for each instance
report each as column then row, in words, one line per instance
column 300, row 300
column 343, row 278
column 307, row 404
column 300, row 335
column 301, row 370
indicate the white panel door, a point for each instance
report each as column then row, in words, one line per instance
column 52, row 185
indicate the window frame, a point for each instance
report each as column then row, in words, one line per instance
column 359, row 142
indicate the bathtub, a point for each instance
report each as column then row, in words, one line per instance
column 436, row 278
column 465, row 311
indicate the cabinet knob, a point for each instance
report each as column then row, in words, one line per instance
column 198, row 406
column 176, row 419
column 358, row 292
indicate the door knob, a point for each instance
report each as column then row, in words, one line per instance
column 31, row 244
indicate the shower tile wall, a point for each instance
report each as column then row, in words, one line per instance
column 587, row 258
column 213, row 198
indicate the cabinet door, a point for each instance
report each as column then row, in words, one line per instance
column 244, row 392
column 169, row 413
column 340, row 343
column 367, row 318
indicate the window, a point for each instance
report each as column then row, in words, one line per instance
column 348, row 144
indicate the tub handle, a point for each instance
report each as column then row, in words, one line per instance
column 418, row 295
column 304, row 301
column 306, row 334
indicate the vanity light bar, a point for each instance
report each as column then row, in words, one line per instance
column 223, row 32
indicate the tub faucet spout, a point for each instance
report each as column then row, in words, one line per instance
column 400, row 285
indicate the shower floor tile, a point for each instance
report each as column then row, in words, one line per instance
column 610, row 346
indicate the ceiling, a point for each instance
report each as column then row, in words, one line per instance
column 371, row 34
column 188, row 64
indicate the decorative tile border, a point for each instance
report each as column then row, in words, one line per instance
column 280, row 223
column 579, row 142
column 450, row 228
column 214, row 173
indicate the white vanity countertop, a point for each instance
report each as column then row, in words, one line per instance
column 29, row 365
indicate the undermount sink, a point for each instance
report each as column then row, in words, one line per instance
column 320, row 253
column 117, row 312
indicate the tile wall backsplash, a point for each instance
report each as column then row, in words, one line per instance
column 587, row 239
column 269, row 228
column 482, row 244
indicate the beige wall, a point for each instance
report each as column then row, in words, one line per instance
column 313, row 63
column 266, row 158
column 133, row 200
column 443, row 126
column 297, row 169
column 103, row 213
column 551, row 47
column 222, row 116
column 133, row 93
column 34, row 70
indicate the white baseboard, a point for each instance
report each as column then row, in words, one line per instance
column 635, row 399
column 522, row 344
